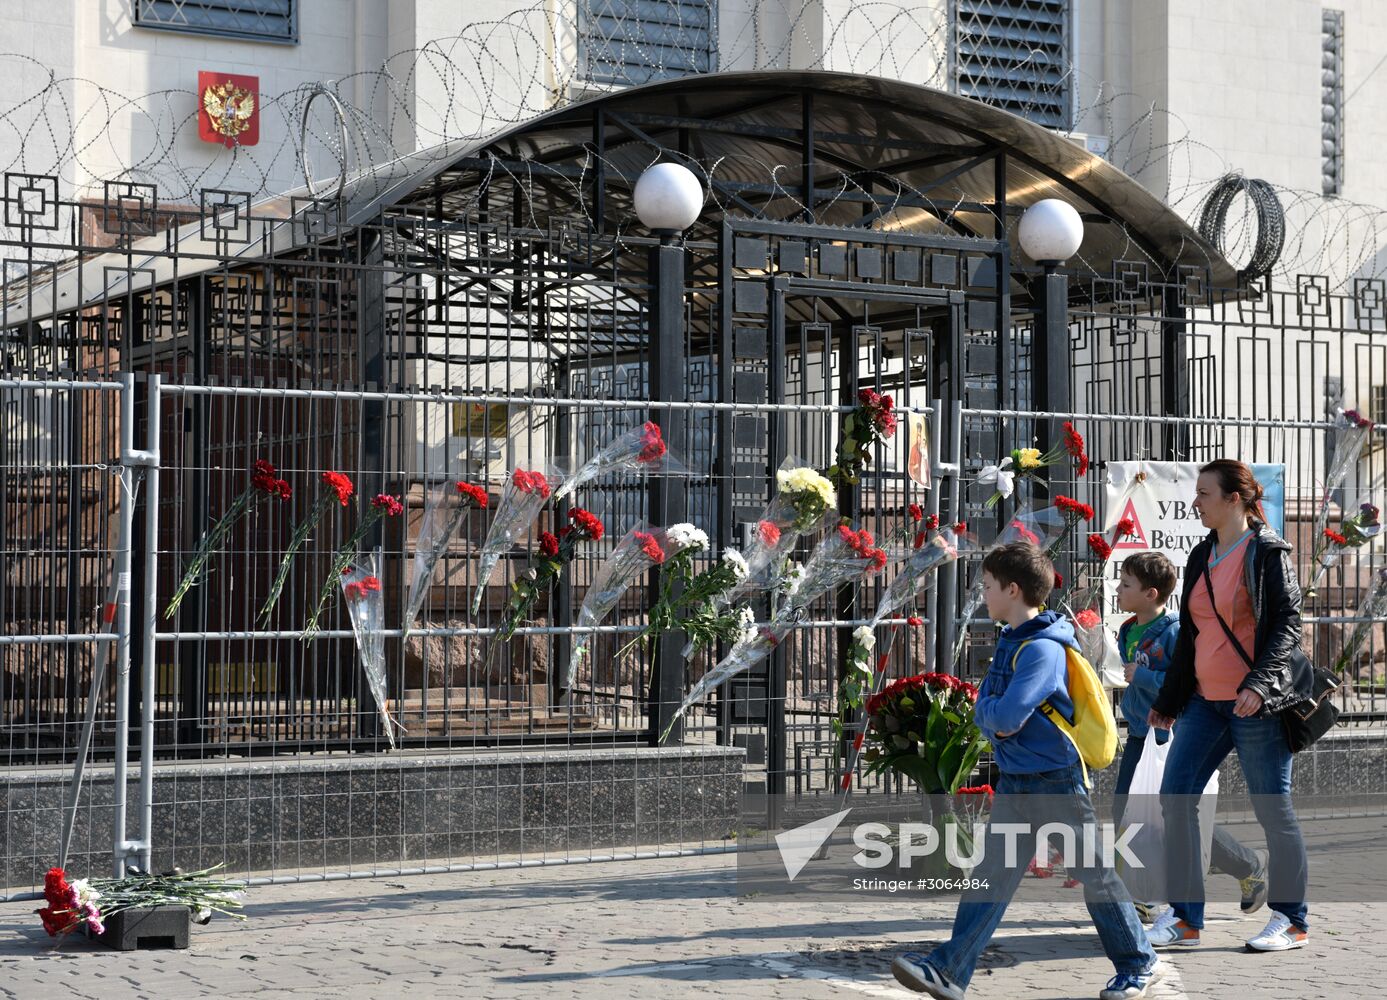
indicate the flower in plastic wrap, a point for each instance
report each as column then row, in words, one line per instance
column 1351, row 432
column 444, row 511
column 639, row 450
column 754, row 646
column 1099, row 647
column 1355, row 531
column 366, row 606
column 841, row 556
column 641, row 550
column 918, row 572
column 525, row 493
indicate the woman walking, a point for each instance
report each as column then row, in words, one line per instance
column 1230, row 676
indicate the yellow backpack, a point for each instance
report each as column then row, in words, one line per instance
column 1094, row 730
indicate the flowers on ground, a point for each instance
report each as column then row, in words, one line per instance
column 265, row 484
column 89, row 903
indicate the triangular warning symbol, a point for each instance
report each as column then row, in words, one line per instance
column 1137, row 540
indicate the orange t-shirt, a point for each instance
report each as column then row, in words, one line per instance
column 1218, row 667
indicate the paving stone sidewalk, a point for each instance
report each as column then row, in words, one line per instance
column 654, row 929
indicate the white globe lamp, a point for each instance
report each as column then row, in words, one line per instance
column 668, row 198
column 1050, row 231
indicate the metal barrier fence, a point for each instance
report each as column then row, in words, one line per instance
column 275, row 784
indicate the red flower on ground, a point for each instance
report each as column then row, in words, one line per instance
column 390, row 505
column 1100, row 547
column 768, row 532
column 474, row 493
column 651, row 547
column 548, row 544
column 1335, row 537
column 916, row 512
column 341, row 485
column 652, row 443
column 587, row 523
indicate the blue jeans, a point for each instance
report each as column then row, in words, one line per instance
column 1205, row 733
column 1046, row 797
column 1228, row 856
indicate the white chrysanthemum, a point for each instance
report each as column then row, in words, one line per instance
column 806, row 480
column 735, row 560
column 687, row 536
column 85, row 892
column 864, row 636
column 746, row 624
column 793, row 577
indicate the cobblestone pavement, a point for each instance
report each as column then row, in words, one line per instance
column 651, row 929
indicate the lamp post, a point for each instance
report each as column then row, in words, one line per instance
column 668, row 198
column 1050, row 233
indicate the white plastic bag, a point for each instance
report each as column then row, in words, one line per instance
column 1148, row 883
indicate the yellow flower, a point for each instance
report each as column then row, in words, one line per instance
column 1027, row 459
column 805, row 480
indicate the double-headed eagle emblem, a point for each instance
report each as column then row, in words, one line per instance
column 229, row 108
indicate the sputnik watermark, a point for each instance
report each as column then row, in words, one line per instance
column 880, row 845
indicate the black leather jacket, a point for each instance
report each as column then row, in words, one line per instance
column 1275, row 592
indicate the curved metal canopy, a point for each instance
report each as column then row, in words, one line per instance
column 873, row 151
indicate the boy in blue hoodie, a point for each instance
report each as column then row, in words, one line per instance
column 1042, row 782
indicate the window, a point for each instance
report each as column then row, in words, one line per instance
column 254, row 20
column 1332, row 101
column 1014, row 55
column 636, row 41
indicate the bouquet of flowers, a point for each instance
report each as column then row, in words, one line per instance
column 923, row 727
column 635, row 555
column 872, row 421
column 264, row 484
column 366, row 607
column 1371, row 611
column 842, row 556
column 525, row 493
column 339, row 490
column 1028, row 462
column 697, row 611
column 553, row 555
column 641, row 450
column 802, row 500
column 89, row 903
column 917, row 573
column 383, row 505
column 1355, row 532
column 443, row 514
column 1351, row 431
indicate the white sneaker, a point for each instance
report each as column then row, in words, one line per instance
column 1167, row 916
column 1279, row 935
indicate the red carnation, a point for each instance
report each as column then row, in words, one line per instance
column 1059, row 580
column 474, row 493
column 1335, row 537
column 960, row 527
column 341, row 485
column 548, row 544
column 360, row 588
column 878, row 558
column 652, row 443
column 914, row 621
column 1071, row 506
column 1073, row 440
column 916, row 512
column 768, row 532
column 389, row 504
column 1100, row 546
column 1087, row 618
column 1025, row 534
column 1125, row 528
column 264, row 478
column 650, row 547
column 932, row 522
column 586, row 522
column 867, row 397
column 531, row 482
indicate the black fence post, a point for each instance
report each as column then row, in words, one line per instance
column 1050, row 392
column 668, row 499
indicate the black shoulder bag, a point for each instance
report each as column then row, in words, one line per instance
column 1305, row 721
